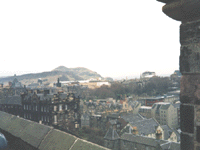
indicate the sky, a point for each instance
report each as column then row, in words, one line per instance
column 114, row 38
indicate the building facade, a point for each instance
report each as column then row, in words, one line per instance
column 58, row 110
column 165, row 114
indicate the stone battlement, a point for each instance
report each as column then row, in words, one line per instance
column 25, row 134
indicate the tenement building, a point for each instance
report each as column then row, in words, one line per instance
column 188, row 12
column 165, row 113
column 58, row 110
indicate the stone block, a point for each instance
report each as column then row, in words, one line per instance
column 190, row 89
column 187, row 142
column 190, row 58
column 187, row 118
column 198, row 134
column 197, row 113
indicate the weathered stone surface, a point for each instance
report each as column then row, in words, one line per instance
column 198, row 134
column 187, row 142
column 190, row 32
column 190, row 49
column 197, row 113
column 182, row 10
column 190, row 89
column 187, row 118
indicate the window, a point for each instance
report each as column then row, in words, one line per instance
column 48, row 119
column 29, row 107
column 60, row 107
column 44, row 109
column 24, row 107
column 24, row 115
column 55, row 118
column 65, row 107
column 47, row 109
column 55, row 108
column 75, row 106
column 36, row 107
column 41, row 109
column 76, row 125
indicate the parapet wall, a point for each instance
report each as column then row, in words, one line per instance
column 24, row 134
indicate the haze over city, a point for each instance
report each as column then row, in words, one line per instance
column 113, row 38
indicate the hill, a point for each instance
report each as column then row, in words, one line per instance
column 62, row 72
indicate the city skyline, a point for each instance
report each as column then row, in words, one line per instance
column 113, row 38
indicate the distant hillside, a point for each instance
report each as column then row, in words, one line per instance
column 62, row 72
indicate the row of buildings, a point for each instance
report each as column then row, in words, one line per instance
column 44, row 105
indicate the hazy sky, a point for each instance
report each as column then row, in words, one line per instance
column 114, row 38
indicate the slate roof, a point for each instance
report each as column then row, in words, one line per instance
column 177, row 105
column 45, row 97
column 16, row 100
column 165, row 145
column 111, row 134
column 165, row 107
column 141, row 139
column 43, row 137
column 114, row 115
column 131, row 117
column 146, row 126
column 170, row 146
column 167, row 131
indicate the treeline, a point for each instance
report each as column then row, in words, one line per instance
column 153, row 87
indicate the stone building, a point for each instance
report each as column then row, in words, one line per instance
column 52, row 109
column 145, row 111
column 112, row 139
column 165, row 114
column 146, row 127
column 129, row 141
column 85, row 120
column 11, row 105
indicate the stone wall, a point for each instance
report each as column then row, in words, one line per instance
column 23, row 134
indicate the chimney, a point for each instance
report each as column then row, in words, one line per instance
column 135, row 130
column 158, row 135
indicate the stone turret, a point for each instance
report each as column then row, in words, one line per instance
column 188, row 12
